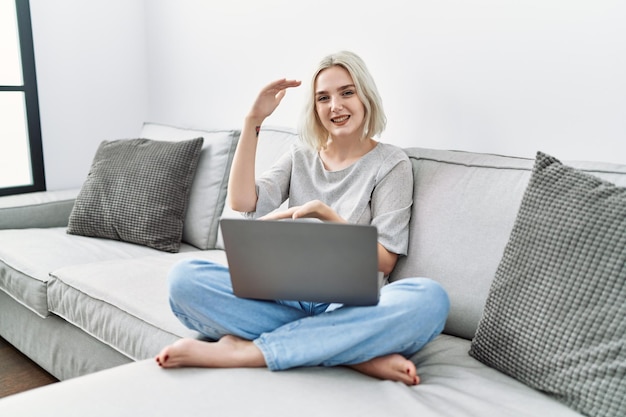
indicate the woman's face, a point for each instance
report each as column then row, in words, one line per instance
column 338, row 106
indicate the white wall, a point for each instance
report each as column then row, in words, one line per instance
column 91, row 74
column 500, row 76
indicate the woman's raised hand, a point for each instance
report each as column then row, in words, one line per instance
column 270, row 96
column 241, row 183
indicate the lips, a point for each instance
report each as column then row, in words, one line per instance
column 339, row 119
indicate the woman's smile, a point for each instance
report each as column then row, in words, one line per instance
column 340, row 120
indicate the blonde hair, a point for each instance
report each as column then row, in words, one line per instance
column 312, row 131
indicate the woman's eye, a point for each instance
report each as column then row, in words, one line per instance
column 322, row 98
column 348, row 93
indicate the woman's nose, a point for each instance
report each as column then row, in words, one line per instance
column 335, row 104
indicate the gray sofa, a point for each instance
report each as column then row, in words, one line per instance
column 94, row 312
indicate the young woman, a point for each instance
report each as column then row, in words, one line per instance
column 340, row 174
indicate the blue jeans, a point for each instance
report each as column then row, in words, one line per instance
column 411, row 312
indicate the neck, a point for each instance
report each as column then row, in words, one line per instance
column 340, row 154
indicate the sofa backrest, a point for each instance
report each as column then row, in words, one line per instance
column 464, row 208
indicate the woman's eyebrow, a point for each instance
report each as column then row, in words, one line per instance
column 342, row 88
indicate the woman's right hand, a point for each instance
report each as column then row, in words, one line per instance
column 270, row 97
column 241, row 183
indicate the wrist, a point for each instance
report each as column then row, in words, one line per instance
column 330, row 215
column 253, row 121
column 251, row 128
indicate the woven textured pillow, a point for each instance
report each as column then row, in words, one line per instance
column 137, row 191
column 555, row 316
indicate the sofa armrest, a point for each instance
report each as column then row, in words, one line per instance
column 37, row 210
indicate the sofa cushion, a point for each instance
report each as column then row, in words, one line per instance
column 208, row 190
column 273, row 143
column 464, row 208
column 554, row 317
column 137, row 191
column 28, row 255
column 123, row 303
column 453, row 384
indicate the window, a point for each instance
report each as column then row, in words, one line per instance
column 21, row 156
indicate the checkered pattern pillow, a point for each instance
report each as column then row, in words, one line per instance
column 137, row 191
column 555, row 317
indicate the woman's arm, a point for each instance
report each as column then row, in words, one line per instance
column 391, row 204
column 386, row 260
column 241, row 184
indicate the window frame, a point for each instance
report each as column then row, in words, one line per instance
column 29, row 88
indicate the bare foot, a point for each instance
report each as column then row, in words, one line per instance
column 228, row 352
column 392, row 367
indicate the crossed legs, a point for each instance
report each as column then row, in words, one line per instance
column 374, row 340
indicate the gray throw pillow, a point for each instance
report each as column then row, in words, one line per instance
column 555, row 316
column 137, row 191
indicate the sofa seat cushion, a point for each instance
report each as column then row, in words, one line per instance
column 465, row 205
column 28, row 255
column 453, row 384
column 123, row 303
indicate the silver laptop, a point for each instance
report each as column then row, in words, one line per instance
column 303, row 260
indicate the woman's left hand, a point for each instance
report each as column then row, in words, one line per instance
column 314, row 209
